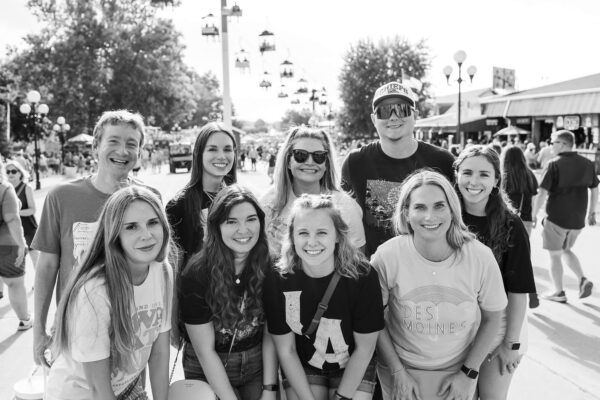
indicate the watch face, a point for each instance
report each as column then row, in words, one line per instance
column 515, row 346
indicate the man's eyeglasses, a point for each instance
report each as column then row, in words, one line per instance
column 319, row 156
column 402, row 110
column 12, row 171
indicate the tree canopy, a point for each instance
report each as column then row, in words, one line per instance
column 367, row 66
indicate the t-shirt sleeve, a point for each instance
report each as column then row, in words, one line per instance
column 379, row 264
column 595, row 180
column 346, row 180
column 491, row 295
column 352, row 215
column 548, row 181
column 47, row 236
column 273, row 300
column 90, row 324
column 518, row 276
column 192, row 300
column 368, row 314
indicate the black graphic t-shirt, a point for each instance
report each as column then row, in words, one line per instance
column 355, row 306
column 196, row 311
column 515, row 265
column 373, row 178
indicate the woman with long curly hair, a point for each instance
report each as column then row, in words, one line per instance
column 317, row 250
column 489, row 215
column 221, row 302
column 307, row 163
column 113, row 319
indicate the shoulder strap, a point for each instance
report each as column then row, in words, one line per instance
column 20, row 188
column 323, row 305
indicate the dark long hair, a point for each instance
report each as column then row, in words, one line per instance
column 192, row 193
column 215, row 262
column 517, row 177
column 497, row 209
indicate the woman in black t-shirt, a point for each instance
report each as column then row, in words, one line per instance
column 488, row 214
column 221, row 302
column 335, row 360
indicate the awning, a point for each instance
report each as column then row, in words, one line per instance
column 448, row 122
column 582, row 103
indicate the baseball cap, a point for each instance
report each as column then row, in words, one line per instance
column 391, row 90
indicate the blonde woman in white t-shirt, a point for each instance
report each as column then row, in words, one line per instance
column 436, row 281
column 113, row 319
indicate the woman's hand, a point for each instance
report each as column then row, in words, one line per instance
column 20, row 255
column 509, row 359
column 458, row 386
column 405, row 387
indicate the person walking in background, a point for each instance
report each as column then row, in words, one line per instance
column 437, row 282
column 253, row 155
column 12, row 251
column 70, row 213
column 220, row 297
column 565, row 184
column 487, row 214
column 545, row 154
column 316, row 253
column 306, row 163
column 373, row 173
column 531, row 156
column 114, row 318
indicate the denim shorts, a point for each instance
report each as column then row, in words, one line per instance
column 244, row 370
column 332, row 379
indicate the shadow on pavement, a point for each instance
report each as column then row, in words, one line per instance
column 6, row 343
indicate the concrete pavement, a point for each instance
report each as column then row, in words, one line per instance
column 562, row 362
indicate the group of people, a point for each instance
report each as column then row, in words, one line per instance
column 410, row 273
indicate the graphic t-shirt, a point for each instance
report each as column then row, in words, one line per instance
column 515, row 265
column 434, row 307
column 374, row 178
column 89, row 330
column 355, row 306
column 195, row 310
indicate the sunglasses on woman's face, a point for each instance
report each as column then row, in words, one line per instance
column 12, row 171
column 402, row 110
column 301, row 156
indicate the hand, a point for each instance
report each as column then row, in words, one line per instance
column 405, row 387
column 41, row 341
column 508, row 359
column 458, row 386
column 592, row 219
column 20, row 255
column 175, row 336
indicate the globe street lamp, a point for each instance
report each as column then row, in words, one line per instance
column 61, row 128
column 35, row 112
column 459, row 57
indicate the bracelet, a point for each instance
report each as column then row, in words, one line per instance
column 340, row 397
column 271, row 388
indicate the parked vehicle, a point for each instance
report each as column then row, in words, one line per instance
column 180, row 156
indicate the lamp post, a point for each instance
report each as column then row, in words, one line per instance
column 459, row 57
column 35, row 111
column 61, row 128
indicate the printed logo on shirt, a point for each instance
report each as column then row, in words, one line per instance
column 329, row 331
column 380, row 202
column 83, row 235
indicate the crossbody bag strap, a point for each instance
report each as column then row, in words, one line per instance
column 20, row 188
column 323, row 304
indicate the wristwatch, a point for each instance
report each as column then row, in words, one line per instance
column 513, row 345
column 271, row 388
column 470, row 372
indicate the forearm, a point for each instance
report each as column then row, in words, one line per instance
column 16, row 230
column 387, row 352
column 593, row 201
column 26, row 212
column 488, row 329
column 355, row 371
column 515, row 315
column 540, row 199
column 215, row 374
column 270, row 363
column 45, row 279
column 294, row 372
column 158, row 366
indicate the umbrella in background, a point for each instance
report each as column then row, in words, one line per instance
column 81, row 138
column 512, row 131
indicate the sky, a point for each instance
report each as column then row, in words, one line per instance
column 545, row 41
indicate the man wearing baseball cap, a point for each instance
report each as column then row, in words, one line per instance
column 374, row 172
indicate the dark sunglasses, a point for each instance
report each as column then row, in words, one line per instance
column 402, row 110
column 12, row 171
column 301, row 156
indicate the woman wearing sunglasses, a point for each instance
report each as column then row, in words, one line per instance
column 306, row 163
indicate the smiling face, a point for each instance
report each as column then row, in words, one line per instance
column 118, row 150
column 308, row 172
column 476, row 178
column 218, row 155
column 429, row 214
column 241, row 229
column 141, row 235
column 315, row 238
column 394, row 128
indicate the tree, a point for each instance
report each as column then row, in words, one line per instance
column 295, row 118
column 366, row 67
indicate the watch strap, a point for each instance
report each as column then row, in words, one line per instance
column 271, row 388
column 470, row 372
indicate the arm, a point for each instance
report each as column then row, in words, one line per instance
column 593, row 202
column 357, row 365
column 10, row 215
column 203, row 340
column 288, row 357
column 540, row 199
column 515, row 315
column 402, row 383
column 97, row 374
column 158, row 365
column 459, row 385
column 45, row 278
column 26, row 212
column 270, row 364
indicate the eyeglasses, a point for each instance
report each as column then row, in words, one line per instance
column 402, row 110
column 301, row 156
column 12, row 171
